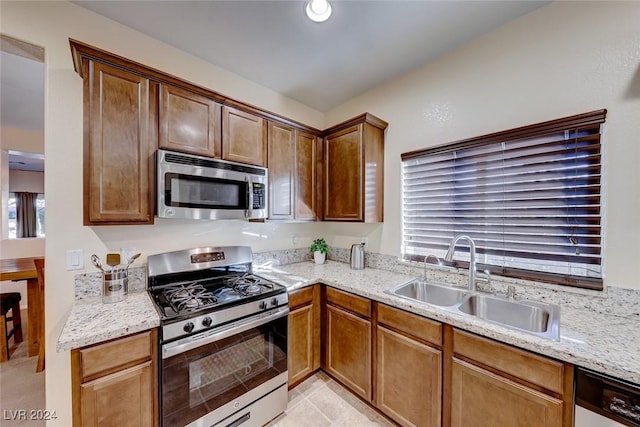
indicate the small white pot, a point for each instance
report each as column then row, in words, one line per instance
column 319, row 257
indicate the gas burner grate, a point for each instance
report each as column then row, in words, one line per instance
column 248, row 284
column 185, row 298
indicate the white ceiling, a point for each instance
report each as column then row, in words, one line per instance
column 362, row 45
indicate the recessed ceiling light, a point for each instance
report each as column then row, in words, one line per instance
column 318, row 10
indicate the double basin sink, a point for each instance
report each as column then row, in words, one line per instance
column 532, row 317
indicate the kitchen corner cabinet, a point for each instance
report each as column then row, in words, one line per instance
column 292, row 157
column 244, row 136
column 115, row 383
column 354, row 170
column 189, row 122
column 493, row 384
column 304, row 334
column 120, row 139
column 409, row 367
column 348, row 341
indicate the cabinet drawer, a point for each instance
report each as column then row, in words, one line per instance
column 410, row 324
column 538, row 370
column 301, row 297
column 114, row 354
column 353, row 303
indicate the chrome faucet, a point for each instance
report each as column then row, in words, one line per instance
column 472, row 258
column 433, row 260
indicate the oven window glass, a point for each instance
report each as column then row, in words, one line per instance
column 197, row 382
column 203, row 192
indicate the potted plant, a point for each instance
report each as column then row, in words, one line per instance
column 319, row 248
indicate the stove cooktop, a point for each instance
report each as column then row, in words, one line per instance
column 188, row 298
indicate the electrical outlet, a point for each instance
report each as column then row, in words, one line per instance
column 126, row 253
column 365, row 241
column 294, row 239
column 75, row 259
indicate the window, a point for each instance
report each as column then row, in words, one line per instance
column 13, row 224
column 529, row 197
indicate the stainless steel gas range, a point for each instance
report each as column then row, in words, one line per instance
column 223, row 338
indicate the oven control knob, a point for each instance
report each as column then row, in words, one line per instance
column 274, row 301
column 188, row 327
column 262, row 305
column 206, row 322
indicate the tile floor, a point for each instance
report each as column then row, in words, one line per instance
column 21, row 388
column 320, row 401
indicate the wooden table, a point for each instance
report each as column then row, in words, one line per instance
column 24, row 269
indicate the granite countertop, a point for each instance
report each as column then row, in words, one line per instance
column 606, row 343
column 91, row 321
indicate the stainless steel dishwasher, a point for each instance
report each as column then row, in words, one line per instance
column 603, row 401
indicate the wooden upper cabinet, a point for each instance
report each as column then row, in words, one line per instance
column 292, row 155
column 120, row 139
column 189, row 122
column 244, row 137
column 306, row 199
column 282, row 151
column 353, row 170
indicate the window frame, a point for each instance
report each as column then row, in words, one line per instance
column 530, row 131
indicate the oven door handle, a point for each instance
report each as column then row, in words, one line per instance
column 189, row 343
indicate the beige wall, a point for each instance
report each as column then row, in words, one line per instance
column 565, row 58
column 29, row 181
column 21, row 140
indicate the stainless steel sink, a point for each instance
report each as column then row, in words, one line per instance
column 529, row 316
column 418, row 290
column 536, row 318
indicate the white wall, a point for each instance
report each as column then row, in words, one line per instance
column 28, row 181
column 563, row 59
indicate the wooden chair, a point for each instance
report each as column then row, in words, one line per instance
column 41, row 345
column 9, row 302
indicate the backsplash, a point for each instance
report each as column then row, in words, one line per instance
column 612, row 301
column 89, row 285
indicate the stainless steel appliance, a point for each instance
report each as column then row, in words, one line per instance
column 196, row 187
column 223, row 339
column 357, row 256
column 605, row 401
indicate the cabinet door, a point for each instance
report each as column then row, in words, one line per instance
column 120, row 141
column 306, row 193
column 348, row 350
column 409, row 373
column 189, row 122
column 343, row 175
column 281, row 157
column 483, row 399
column 244, row 137
column 301, row 344
column 123, row 399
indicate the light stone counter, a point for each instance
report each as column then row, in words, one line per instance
column 603, row 336
column 91, row 321
column 606, row 343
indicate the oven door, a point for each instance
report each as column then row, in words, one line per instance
column 208, row 377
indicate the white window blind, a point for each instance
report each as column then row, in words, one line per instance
column 529, row 197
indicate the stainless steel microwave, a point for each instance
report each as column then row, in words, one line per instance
column 197, row 187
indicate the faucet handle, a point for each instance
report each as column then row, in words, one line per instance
column 511, row 293
column 486, row 281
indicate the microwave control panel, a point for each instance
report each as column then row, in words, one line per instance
column 258, row 195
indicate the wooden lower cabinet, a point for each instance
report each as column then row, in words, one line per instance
column 119, row 399
column 304, row 334
column 115, row 383
column 409, row 370
column 481, row 398
column 493, row 384
column 348, row 350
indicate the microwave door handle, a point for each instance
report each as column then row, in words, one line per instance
column 249, row 211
